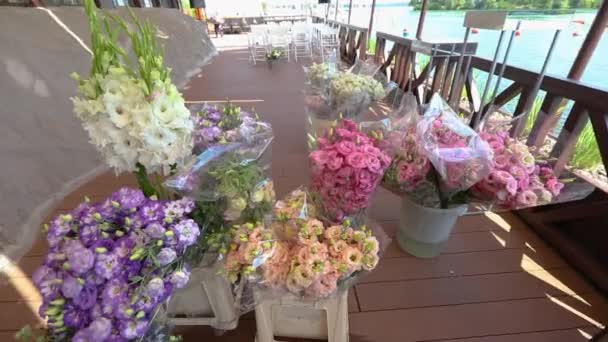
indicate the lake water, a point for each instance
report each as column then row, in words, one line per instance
column 529, row 49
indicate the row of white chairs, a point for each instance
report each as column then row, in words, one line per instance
column 301, row 39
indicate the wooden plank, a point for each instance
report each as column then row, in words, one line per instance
column 564, row 146
column 397, row 60
column 438, row 76
column 464, row 264
column 471, row 320
column 474, row 289
column 566, row 335
column 522, row 105
column 546, row 120
column 448, row 79
column 404, row 67
column 473, row 95
column 490, row 240
column 353, row 304
column 506, row 95
column 15, row 315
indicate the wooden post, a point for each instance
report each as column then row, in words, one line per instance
column 371, row 20
column 350, row 8
column 336, row 14
column 423, row 9
column 548, row 116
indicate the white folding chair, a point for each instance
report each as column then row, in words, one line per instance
column 328, row 40
column 258, row 43
column 279, row 38
column 301, row 37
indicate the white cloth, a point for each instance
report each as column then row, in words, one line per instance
column 44, row 152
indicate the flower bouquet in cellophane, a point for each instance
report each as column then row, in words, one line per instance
column 332, row 94
column 300, row 255
column 230, row 177
column 436, row 156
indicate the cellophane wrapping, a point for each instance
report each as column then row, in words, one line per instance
column 300, row 254
column 437, row 156
column 229, row 179
column 332, row 95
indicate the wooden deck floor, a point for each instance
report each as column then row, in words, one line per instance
column 496, row 280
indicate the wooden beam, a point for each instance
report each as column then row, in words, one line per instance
column 564, row 147
column 423, row 10
column 371, row 17
column 350, row 8
column 518, row 126
column 506, row 95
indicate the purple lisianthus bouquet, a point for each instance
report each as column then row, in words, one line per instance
column 111, row 264
column 223, row 125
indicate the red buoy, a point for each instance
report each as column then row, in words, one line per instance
column 576, row 34
column 517, row 33
column 579, row 21
column 474, row 31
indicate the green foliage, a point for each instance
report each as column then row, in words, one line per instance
column 586, row 153
column 371, row 45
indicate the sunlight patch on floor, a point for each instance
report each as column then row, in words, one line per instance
column 575, row 311
column 500, row 240
column 585, row 334
column 498, row 220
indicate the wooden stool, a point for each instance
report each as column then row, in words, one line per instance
column 289, row 316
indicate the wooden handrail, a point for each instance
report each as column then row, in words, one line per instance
column 594, row 97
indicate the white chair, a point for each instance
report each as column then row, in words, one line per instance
column 301, row 37
column 279, row 38
column 328, row 41
column 258, row 43
column 288, row 316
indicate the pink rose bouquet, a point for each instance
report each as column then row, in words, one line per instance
column 437, row 156
column 517, row 179
column 346, row 169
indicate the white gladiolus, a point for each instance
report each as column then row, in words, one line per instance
column 128, row 127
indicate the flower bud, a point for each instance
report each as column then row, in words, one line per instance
column 159, row 243
column 119, row 233
column 105, row 235
column 168, row 220
column 101, row 250
column 66, row 266
column 45, row 228
column 115, row 204
column 58, row 302
column 87, row 199
column 97, row 216
column 129, row 312
column 140, row 315
column 169, row 233
column 128, row 221
column 67, row 218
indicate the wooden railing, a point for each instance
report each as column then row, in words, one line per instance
column 400, row 64
column 353, row 40
column 589, row 102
